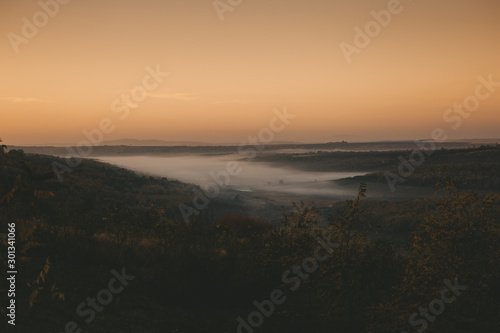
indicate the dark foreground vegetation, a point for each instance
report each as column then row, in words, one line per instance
column 201, row 277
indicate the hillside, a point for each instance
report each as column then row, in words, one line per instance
column 75, row 238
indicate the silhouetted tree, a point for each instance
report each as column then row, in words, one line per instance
column 2, row 148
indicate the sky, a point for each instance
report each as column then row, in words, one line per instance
column 65, row 69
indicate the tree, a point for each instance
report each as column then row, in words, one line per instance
column 2, row 148
column 347, row 272
column 301, row 217
column 459, row 240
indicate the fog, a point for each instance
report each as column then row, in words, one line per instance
column 253, row 177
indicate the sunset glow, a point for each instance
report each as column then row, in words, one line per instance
column 226, row 76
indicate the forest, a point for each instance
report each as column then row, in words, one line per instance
column 376, row 266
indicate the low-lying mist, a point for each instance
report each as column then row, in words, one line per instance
column 254, row 176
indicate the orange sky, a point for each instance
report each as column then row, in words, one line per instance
column 227, row 76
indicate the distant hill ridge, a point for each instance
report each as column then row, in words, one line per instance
column 153, row 142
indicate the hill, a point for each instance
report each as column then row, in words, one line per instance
column 105, row 251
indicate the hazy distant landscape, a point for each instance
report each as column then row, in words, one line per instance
column 279, row 166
